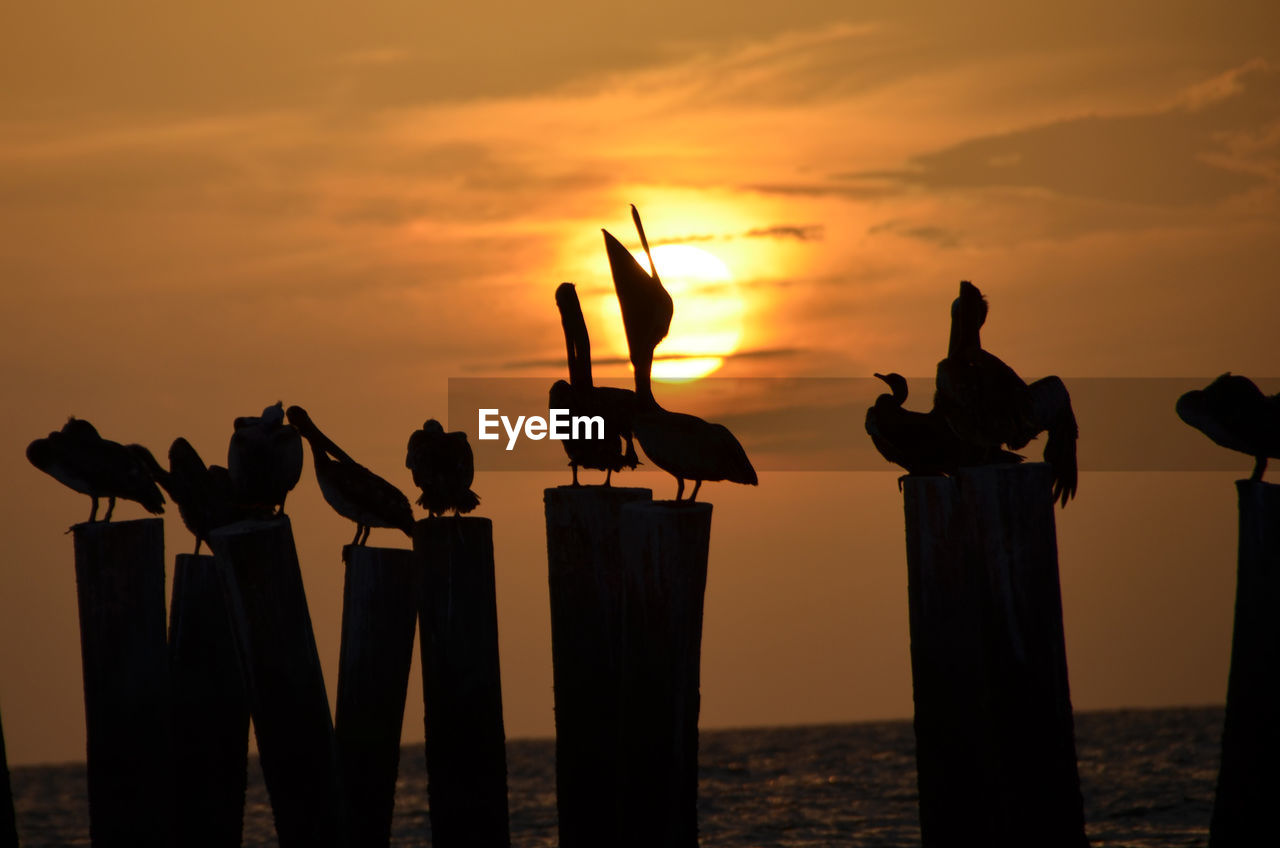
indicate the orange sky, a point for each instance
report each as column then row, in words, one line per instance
column 209, row 207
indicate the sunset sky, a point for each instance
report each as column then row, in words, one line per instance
column 207, row 207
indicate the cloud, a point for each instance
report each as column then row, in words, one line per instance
column 1179, row 156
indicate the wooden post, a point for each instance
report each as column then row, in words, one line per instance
column 585, row 573
column 8, row 822
column 665, row 546
column 1248, row 780
column 946, row 665
column 120, row 585
column 379, row 614
column 262, row 586
column 461, row 684
column 987, row 608
column 210, row 709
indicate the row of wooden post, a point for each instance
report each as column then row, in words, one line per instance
column 995, row 744
column 168, row 719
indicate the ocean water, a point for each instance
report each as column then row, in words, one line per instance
column 1147, row 777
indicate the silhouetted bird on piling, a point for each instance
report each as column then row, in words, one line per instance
column 921, row 442
column 1234, row 413
column 264, row 458
column 352, row 490
column 443, row 467
column 685, row 446
column 80, row 459
column 205, row 497
column 615, row 407
column 985, row 402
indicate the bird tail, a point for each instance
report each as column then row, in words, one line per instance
column 1052, row 408
column 467, row 501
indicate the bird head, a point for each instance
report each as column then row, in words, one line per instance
column 299, row 418
column 897, row 385
column 564, row 293
column 432, row 427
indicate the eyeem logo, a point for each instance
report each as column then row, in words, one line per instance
column 559, row 425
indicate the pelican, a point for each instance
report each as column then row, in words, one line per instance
column 264, row 458
column 921, row 442
column 80, row 459
column 685, row 446
column 985, row 401
column 582, row 398
column 1234, row 413
column 352, row 490
column 443, row 468
column 205, row 497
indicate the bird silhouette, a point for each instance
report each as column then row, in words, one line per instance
column 352, row 490
column 685, row 446
column 921, row 442
column 443, row 467
column 205, row 496
column 264, row 458
column 1234, row 413
column 987, row 404
column 581, row 397
column 80, row 459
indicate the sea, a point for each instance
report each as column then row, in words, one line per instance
column 1147, row 777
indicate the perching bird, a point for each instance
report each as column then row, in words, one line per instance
column 205, row 497
column 985, row 402
column 264, row 458
column 352, row 490
column 1234, row 413
column 443, row 468
column 79, row 458
column 615, row 407
column 921, row 442
column 685, row 446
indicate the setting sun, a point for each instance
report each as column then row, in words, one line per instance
column 709, row 311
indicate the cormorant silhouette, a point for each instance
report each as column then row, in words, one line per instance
column 985, row 401
column 1234, row 413
column 264, row 458
column 921, row 442
column 352, row 490
column 616, row 407
column 443, row 467
column 80, row 459
column 685, row 446
column 205, row 497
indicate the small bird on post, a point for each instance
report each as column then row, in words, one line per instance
column 443, row 467
column 1234, row 413
column 80, row 459
column 264, row 458
column 921, row 442
column 615, row 407
column 685, row 446
column 352, row 490
column 986, row 403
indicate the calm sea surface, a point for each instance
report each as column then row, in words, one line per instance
column 1147, row 775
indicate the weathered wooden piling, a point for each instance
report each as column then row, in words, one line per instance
column 8, row 821
column 262, row 586
column 946, row 664
column 461, row 683
column 120, row 585
column 379, row 613
column 989, row 661
column 210, row 709
column 586, row 576
column 1248, row 779
column 664, row 547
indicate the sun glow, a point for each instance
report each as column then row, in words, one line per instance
column 709, row 309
